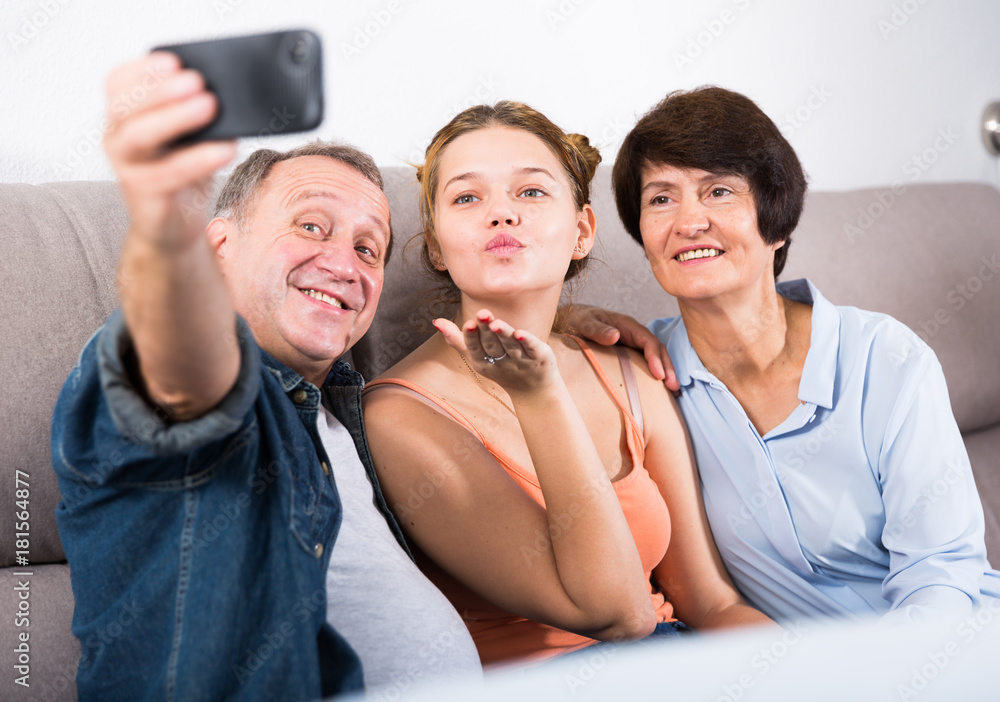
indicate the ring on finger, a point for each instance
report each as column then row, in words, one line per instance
column 493, row 359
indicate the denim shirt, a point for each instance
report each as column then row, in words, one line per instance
column 199, row 550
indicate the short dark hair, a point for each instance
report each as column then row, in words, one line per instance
column 239, row 194
column 719, row 131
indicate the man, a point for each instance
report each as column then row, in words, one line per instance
column 201, row 439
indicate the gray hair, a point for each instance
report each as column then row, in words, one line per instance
column 239, row 194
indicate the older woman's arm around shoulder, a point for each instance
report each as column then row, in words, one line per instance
column 691, row 574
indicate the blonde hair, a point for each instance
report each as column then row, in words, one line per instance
column 578, row 158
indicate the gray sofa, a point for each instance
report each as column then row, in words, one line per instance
column 926, row 254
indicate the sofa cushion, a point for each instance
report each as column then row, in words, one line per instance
column 931, row 259
column 983, row 446
column 61, row 244
column 54, row 653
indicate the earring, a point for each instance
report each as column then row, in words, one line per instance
column 580, row 249
column 434, row 254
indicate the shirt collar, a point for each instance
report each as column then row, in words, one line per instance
column 340, row 374
column 687, row 365
column 819, row 374
column 820, row 371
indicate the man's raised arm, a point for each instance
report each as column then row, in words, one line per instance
column 174, row 299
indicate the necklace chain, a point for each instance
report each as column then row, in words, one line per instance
column 484, row 386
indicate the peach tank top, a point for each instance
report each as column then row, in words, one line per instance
column 502, row 637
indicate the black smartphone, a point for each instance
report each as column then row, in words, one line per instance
column 266, row 84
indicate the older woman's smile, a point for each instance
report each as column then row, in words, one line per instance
column 696, row 253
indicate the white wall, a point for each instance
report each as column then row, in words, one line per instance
column 883, row 90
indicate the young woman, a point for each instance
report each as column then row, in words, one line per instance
column 521, row 462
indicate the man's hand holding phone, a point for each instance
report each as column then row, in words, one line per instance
column 174, row 299
column 205, row 91
column 156, row 101
column 166, row 114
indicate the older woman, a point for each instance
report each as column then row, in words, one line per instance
column 823, row 434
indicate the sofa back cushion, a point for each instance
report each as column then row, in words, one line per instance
column 929, row 255
column 61, row 244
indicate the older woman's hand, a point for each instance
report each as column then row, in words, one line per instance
column 608, row 328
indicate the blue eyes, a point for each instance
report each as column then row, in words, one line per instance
column 529, row 193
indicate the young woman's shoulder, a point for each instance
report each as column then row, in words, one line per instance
column 423, row 369
column 424, row 365
column 660, row 410
column 653, row 394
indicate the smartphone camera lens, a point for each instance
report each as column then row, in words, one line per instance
column 300, row 50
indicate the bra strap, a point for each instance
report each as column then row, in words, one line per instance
column 631, row 388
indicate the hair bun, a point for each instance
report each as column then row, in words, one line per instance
column 589, row 155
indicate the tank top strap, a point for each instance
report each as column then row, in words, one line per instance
column 633, row 433
column 428, row 397
column 522, row 477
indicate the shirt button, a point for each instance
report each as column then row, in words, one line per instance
column 318, row 550
column 299, row 396
column 326, row 468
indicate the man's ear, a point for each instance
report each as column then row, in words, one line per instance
column 219, row 232
column 586, row 227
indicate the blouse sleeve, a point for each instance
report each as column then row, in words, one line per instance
column 934, row 522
